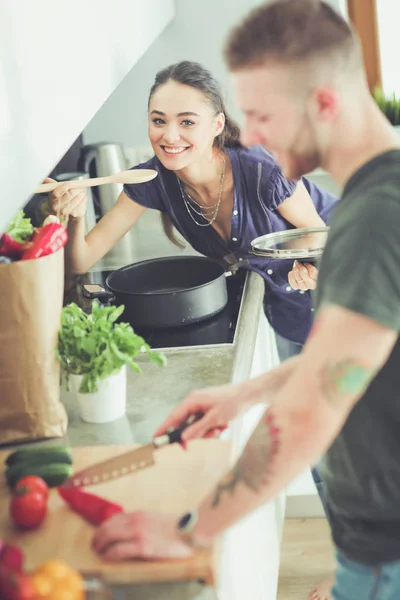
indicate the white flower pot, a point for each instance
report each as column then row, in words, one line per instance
column 105, row 405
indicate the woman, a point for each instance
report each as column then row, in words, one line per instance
column 216, row 193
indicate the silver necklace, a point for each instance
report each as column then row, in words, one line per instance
column 212, row 211
column 205, row 209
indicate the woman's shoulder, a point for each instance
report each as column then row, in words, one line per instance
column 151, row 193
column 163, row 174
column 151, row 163
column 254, row 163
column 253, row 156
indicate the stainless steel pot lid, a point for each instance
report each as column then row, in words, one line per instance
column 293, row 244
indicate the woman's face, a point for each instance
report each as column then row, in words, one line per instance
column 182, row 125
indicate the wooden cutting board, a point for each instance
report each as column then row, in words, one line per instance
column 176, row 483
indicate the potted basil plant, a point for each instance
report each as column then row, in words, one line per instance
column 389, row 105
column 94, row 351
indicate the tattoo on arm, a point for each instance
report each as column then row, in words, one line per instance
column 345, row 377
column 255, row 464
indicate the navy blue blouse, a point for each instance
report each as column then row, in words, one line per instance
column 259, row 188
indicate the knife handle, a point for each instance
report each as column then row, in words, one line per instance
column 174, row 435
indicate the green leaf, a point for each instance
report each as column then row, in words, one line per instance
column 390, row 106
column 20, row 228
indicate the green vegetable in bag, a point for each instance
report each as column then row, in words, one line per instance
column 20, row 228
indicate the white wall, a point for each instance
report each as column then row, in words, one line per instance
column 59, row 61
column 388, row 23
column 197, row 33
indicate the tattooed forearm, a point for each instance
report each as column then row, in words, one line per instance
column 344, row 378
column 253, row 469
column 255, row 464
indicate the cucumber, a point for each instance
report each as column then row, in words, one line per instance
column 53, row 474
column 40, row 456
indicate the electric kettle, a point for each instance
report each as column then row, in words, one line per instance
column 99, row 160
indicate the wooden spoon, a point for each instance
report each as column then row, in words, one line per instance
column 132, row 176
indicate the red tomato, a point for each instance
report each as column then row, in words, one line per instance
column 33, row 483
column 28, row 509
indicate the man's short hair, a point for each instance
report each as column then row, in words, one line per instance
column 293, row 32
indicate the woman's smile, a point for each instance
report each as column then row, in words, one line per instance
column 173, row 150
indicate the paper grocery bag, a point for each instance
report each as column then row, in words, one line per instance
column 31, row 299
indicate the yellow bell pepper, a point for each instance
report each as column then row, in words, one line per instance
column 56, row 580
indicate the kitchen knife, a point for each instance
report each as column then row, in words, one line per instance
column 131, row 461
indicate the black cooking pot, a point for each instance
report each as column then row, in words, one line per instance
column 166, row 292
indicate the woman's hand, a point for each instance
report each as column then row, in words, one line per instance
column 303, row 276
column 67, row 202
column 220, row 405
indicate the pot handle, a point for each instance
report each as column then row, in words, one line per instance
column 93, row 291
column 233, row 269
column 311, row 261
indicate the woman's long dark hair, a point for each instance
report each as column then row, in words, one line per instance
column 196, row 76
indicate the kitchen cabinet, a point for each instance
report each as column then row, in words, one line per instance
column 251, row 551
column 59, row 62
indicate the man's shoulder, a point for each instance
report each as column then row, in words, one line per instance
column 379, row 176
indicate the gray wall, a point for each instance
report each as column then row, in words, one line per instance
column 197, row 33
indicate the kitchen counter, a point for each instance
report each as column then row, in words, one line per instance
column 154, row 393
column 250, row 550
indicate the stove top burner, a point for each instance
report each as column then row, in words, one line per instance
column 220, row 329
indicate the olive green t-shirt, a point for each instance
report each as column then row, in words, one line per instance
column 360, row 270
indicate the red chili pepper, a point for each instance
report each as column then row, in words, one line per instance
column 94, row 509
column 47, row 240
column 11, row 248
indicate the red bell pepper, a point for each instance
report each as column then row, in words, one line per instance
column 93, row 508
column 47, row 240
column 11, row 557
column 15, row 586
column 11, row 248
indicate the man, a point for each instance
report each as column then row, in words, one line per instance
column 300, row 82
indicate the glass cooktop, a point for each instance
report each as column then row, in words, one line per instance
column 219, row 329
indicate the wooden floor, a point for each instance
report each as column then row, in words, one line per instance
column 307, row 557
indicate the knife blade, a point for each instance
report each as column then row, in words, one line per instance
column 129, row 462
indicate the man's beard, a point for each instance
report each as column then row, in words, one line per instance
column 298, row 161
column 295, row 166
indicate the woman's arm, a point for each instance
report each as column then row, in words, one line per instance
column 83, row 252
column 299, row 209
